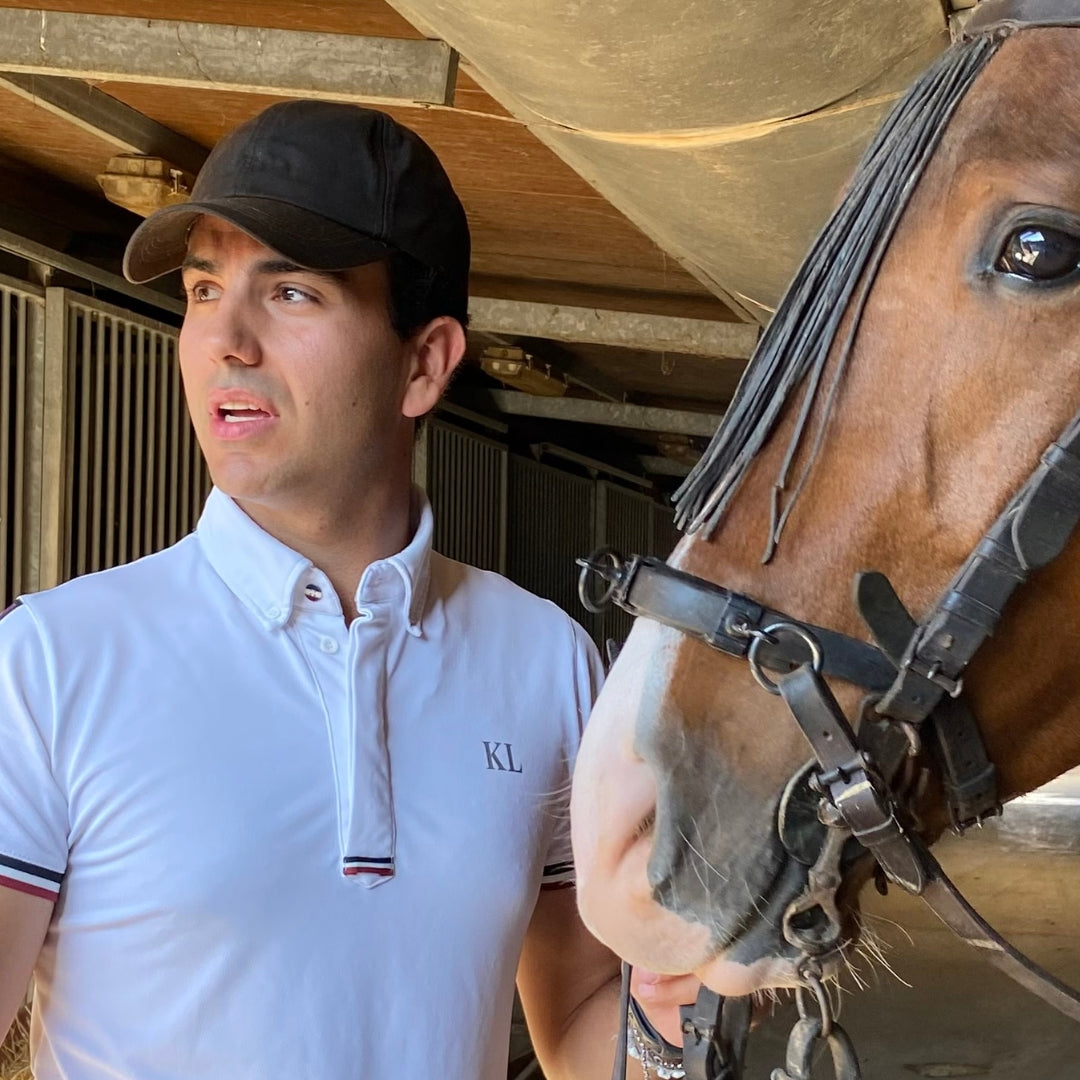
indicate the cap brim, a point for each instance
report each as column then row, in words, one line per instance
column 159, row 244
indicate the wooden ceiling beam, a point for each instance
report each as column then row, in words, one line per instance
column 285, row 63
column 115, row 123
column 623, row 329
column 658, row 465
column 604, row 413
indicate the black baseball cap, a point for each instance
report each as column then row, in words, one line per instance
column 327, row 185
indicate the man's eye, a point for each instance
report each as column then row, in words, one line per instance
column 291, row 294
column 199, row 293
column 1039, row 253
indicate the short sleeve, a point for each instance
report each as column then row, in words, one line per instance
column 588, row 676
column 33, row 811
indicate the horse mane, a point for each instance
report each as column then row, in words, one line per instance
column 800, row 337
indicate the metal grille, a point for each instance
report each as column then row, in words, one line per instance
column 136, row 480
column 665, row 535
column 624, row 521
column 21, row 328
column 550, row 524
column 465, row 476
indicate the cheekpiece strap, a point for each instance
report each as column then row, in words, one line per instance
column 1031, row 531
column 969, row 777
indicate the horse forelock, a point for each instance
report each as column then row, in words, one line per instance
column 800, row 338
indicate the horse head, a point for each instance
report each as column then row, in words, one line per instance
column 923, row 360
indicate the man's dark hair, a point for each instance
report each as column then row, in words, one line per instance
column 419, row 294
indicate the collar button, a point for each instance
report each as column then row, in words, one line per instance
column 313, row 592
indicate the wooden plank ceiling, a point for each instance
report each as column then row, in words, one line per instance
column 541, row 234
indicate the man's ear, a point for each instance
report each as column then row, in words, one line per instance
column 434, row 353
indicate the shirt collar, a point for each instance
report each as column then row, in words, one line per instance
column 411, row 567
column 266, row 575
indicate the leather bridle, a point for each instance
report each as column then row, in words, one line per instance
column 854, row 789
column 913, row 676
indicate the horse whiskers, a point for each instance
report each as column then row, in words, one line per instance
column 852, row 970
column 701, row 855
column 881, row 918
column 694, row 862
column 872, row 947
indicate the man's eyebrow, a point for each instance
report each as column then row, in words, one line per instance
column 267, row 266
column 284, row 266
column 197, row 262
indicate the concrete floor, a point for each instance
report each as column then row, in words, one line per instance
column 960, row 1017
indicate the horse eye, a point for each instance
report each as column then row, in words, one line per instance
column 1039, row 253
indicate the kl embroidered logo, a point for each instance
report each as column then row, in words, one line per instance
column 504, row 763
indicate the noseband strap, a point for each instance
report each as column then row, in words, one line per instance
column 725, row 620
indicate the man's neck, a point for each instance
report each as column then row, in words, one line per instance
column 342, row 541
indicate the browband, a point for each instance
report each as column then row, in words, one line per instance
column 1006, row 16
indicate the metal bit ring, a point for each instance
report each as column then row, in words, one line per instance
column 767, row 634
column 606, row 563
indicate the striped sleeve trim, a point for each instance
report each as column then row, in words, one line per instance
column 28, row 878
column 558, row 875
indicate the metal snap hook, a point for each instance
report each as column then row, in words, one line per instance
column 768, row 633
column 606, row 563
column 812, row 980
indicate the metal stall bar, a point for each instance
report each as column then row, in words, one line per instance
column 465, row 476
column 550, row 523
column 136, row 480
column 56, row 435
column 20, row 427
column 9, row 412
column 624, row 521
column 115, row 426
column 99, row 476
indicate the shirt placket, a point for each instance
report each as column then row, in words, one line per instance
column 369, row 826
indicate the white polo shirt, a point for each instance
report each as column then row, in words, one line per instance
column 282, row 846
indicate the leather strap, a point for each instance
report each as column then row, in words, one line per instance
column 618, row 1070
column 726, row 620
column 959, row 916
column 1031, row 531
column 715, row 1030
column 869, row 816
column 1007, row 16
column 968, row 775
column 846, row 778
column 970, row 780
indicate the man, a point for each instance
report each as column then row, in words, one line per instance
column 288, row 799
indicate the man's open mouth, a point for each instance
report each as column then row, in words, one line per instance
column 238, row 412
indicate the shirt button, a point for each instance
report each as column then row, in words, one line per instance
column 328, row 645
column 273, row 613
column 313, row 592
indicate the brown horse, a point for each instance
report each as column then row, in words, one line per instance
column 950, row 372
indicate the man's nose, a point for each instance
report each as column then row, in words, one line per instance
column 232, row 336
